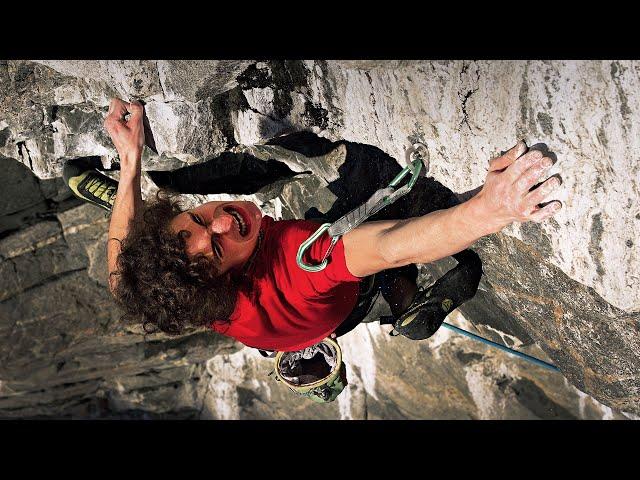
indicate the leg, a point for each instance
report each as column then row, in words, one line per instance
column 431, row 306
column 368, row 294
column 398, row 288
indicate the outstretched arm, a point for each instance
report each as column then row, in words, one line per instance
column 128, row 138
column 504, row 198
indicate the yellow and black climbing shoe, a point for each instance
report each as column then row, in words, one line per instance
column 431, row 306
column 89, row 184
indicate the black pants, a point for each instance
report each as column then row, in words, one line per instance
column 369, row 289
column 464, row 277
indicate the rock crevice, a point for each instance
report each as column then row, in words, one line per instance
column 566, row 290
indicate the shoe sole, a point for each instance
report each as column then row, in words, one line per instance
column 431, row 306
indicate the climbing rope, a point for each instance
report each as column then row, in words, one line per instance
column 524, row 356
column 416, row 156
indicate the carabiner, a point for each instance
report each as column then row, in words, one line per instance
column 307, row 243
column 417, row 155
column 420, row 155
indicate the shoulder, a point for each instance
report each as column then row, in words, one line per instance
column 282, row 238
column 293, row 226
column 288, row 232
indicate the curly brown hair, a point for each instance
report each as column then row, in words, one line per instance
column 159, row 285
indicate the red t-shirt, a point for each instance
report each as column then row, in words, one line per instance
column 294, row 308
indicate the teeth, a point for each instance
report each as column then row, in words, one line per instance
column 241, row 225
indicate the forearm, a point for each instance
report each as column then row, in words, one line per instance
column 127, row 206
column 507, row 196
column 436, row 235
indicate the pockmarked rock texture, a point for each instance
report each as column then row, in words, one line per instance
column 567, row 290
column 65, row 350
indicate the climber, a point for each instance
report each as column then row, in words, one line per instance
column 225, row 265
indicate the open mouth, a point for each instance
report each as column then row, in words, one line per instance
column 241, row 218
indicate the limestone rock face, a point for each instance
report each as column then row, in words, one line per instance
column 55, row 112
column 567, row 290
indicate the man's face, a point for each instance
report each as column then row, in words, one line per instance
column 224, row 231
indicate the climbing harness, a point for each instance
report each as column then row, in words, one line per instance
column 415, row 156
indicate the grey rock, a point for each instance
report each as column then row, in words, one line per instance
column 566, row 291
column 193, row 80
column 22, row 193
column 129, row 78
column 66, row 350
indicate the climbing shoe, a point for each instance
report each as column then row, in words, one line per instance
column 89, row 184
column 432, row 305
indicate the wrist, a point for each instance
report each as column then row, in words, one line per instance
column 481, row 217
column 130, row 154
column 130, row 162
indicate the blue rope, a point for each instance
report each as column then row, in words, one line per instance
column 529, row 358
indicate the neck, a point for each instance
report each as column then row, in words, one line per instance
column 249, row 263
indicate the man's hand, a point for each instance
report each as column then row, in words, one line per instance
column 127, row 134
column 507, row 197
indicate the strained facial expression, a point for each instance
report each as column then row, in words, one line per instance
column 224, row 231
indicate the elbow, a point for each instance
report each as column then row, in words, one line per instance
column 396, row 254
column 113, row 284
column 391, row 254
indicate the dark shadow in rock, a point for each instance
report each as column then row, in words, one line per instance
column 536, row 400
column 464, row 196
column 233, row 173
column 544, row 149
column 469, row 358
column 365, row 170
column 246, row 399
column 91, row 162
column 27, row 200
column 270, row 127
column 149, row 140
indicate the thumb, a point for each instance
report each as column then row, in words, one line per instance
column 136, row 109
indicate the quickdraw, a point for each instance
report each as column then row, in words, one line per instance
column 417, row 156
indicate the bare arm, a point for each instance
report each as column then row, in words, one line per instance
column 128, row 137
column 504, row 198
